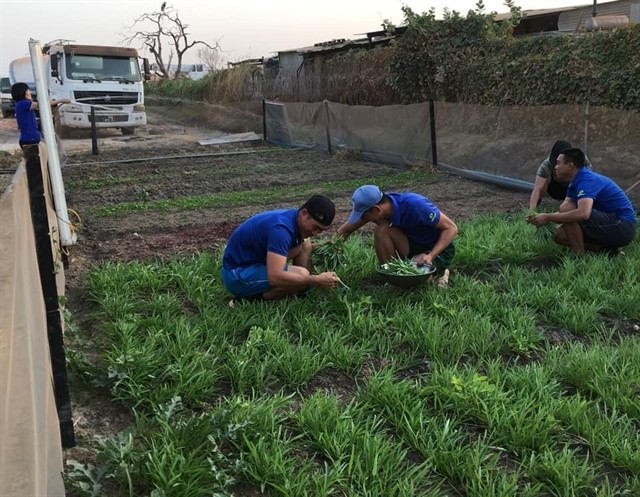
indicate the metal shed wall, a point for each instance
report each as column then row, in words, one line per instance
column 574, row 20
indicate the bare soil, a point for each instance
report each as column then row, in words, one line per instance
column 173, row 165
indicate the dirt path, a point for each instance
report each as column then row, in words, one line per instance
column 199, row 173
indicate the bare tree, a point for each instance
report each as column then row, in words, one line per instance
column 212, row 58
column 168, row 37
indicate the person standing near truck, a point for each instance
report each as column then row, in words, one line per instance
column 26, row 115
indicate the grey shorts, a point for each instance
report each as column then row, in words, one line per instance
column 607, row 230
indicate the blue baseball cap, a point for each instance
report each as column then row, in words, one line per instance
column 364, row 198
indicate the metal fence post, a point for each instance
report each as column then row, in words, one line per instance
column 585, row 138
column 326, row 112
column 94, row 132
column 432, row 124
column 264, row 119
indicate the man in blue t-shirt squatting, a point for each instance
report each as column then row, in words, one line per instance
column 254, row 263
column 408, row 225
column 596, row 214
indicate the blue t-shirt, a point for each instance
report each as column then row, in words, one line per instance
column 27, row 123
column 416, row 216
column 607, row 196
column 270, row 231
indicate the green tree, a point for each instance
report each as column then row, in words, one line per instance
column 434, row 55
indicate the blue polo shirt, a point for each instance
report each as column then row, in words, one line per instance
column 29, row 132
column 271, row 231
column 607, row 196
column 416, row 216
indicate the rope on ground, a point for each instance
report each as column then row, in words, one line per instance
column 73, row 227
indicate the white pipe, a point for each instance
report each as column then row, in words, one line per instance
column 55, row 173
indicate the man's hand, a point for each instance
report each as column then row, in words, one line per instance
column 538, row 219
column 421, row 259
column 327, row 280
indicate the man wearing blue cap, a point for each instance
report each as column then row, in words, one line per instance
column 408, row 225
column 256, row 259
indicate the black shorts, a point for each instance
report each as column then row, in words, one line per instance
column 441, row 262
column 607, row 230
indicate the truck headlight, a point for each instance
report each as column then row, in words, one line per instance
column 138, row 108
column 72, row 108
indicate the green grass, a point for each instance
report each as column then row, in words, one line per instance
column 97, row 184
column 520, row 379
column 251, row 197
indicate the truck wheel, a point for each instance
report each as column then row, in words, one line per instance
column 6, row 113
column 127, row 131
column 63, row 132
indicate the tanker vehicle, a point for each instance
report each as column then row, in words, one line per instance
column 106, row 79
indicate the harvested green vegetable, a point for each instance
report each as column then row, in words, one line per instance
column 401, row 267
column 329, row 255
column 546, row 230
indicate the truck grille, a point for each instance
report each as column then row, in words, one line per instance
column 110, row 119
column 106, row 97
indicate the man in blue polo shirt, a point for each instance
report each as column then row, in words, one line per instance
column 596, row 214
column 408, row 225
column 255, row 262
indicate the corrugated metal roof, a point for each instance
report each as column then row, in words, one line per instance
column 330, row 47
column 575, row 20
column 608, row 8
column 541, row 12
column 569, row 18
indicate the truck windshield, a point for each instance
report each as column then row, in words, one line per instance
column 102, row 68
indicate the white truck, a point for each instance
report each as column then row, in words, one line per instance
column 103, row 78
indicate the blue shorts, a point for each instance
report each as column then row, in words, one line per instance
column 247, row 281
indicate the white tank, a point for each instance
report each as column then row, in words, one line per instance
column 20, row 71
column 605, row 22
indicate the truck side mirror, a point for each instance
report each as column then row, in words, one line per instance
column 147, row 72
column 55, row 64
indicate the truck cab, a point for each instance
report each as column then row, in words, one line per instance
column 100, row 79
column 103, row 83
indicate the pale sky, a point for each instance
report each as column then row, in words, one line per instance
column 244, row 28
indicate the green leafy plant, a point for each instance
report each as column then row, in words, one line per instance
column 544, row 231
column 329, row 255
column 86, row 479
column 369, row 392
